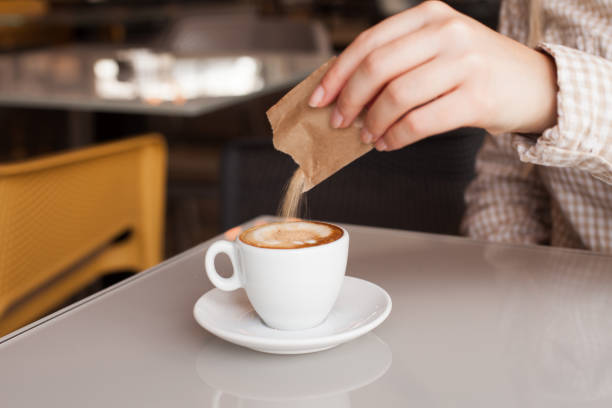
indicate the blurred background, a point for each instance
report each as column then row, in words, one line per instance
column 77, row 74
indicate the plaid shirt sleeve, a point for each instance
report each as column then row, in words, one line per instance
column 582, row 138
column 506, row 202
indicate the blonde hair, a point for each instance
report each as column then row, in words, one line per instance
column 534, row 38
column 535, row 23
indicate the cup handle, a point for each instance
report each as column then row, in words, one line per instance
column 226, row 247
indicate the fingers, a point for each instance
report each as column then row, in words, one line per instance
column 382, row 33
column 442, row 115
column 383, row 65
column 415, row 88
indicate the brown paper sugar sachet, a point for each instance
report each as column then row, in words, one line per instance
column 306, row 135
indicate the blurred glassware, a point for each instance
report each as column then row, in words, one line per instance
column 161, row 77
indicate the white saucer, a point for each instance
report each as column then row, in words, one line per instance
column 361, row 306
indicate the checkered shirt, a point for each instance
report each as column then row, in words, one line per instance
column 566, row 199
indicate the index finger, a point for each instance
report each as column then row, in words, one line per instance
column 388, row 30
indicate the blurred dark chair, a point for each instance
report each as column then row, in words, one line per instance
column 485, row 11
column 417, row 188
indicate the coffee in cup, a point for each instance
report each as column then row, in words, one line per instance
column 291, row 235
column 292, row 271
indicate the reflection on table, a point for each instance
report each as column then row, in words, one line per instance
column 555, row 316
column 324, row 379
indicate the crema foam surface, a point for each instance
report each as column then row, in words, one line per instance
column 290, row 235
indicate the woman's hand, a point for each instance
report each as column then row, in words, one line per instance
column 431, row 69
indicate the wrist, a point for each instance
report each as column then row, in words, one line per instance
column 544, row 89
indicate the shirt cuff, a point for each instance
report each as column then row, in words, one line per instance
column 581, row 134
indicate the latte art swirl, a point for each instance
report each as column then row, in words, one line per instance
column 291, row 235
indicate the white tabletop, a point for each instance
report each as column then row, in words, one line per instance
column 473, row 325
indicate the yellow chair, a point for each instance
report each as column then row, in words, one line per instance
column 68, row 219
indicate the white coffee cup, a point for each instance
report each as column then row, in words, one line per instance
column 290, row 289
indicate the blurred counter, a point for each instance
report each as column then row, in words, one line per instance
column 100, row 78
column 198, row 65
